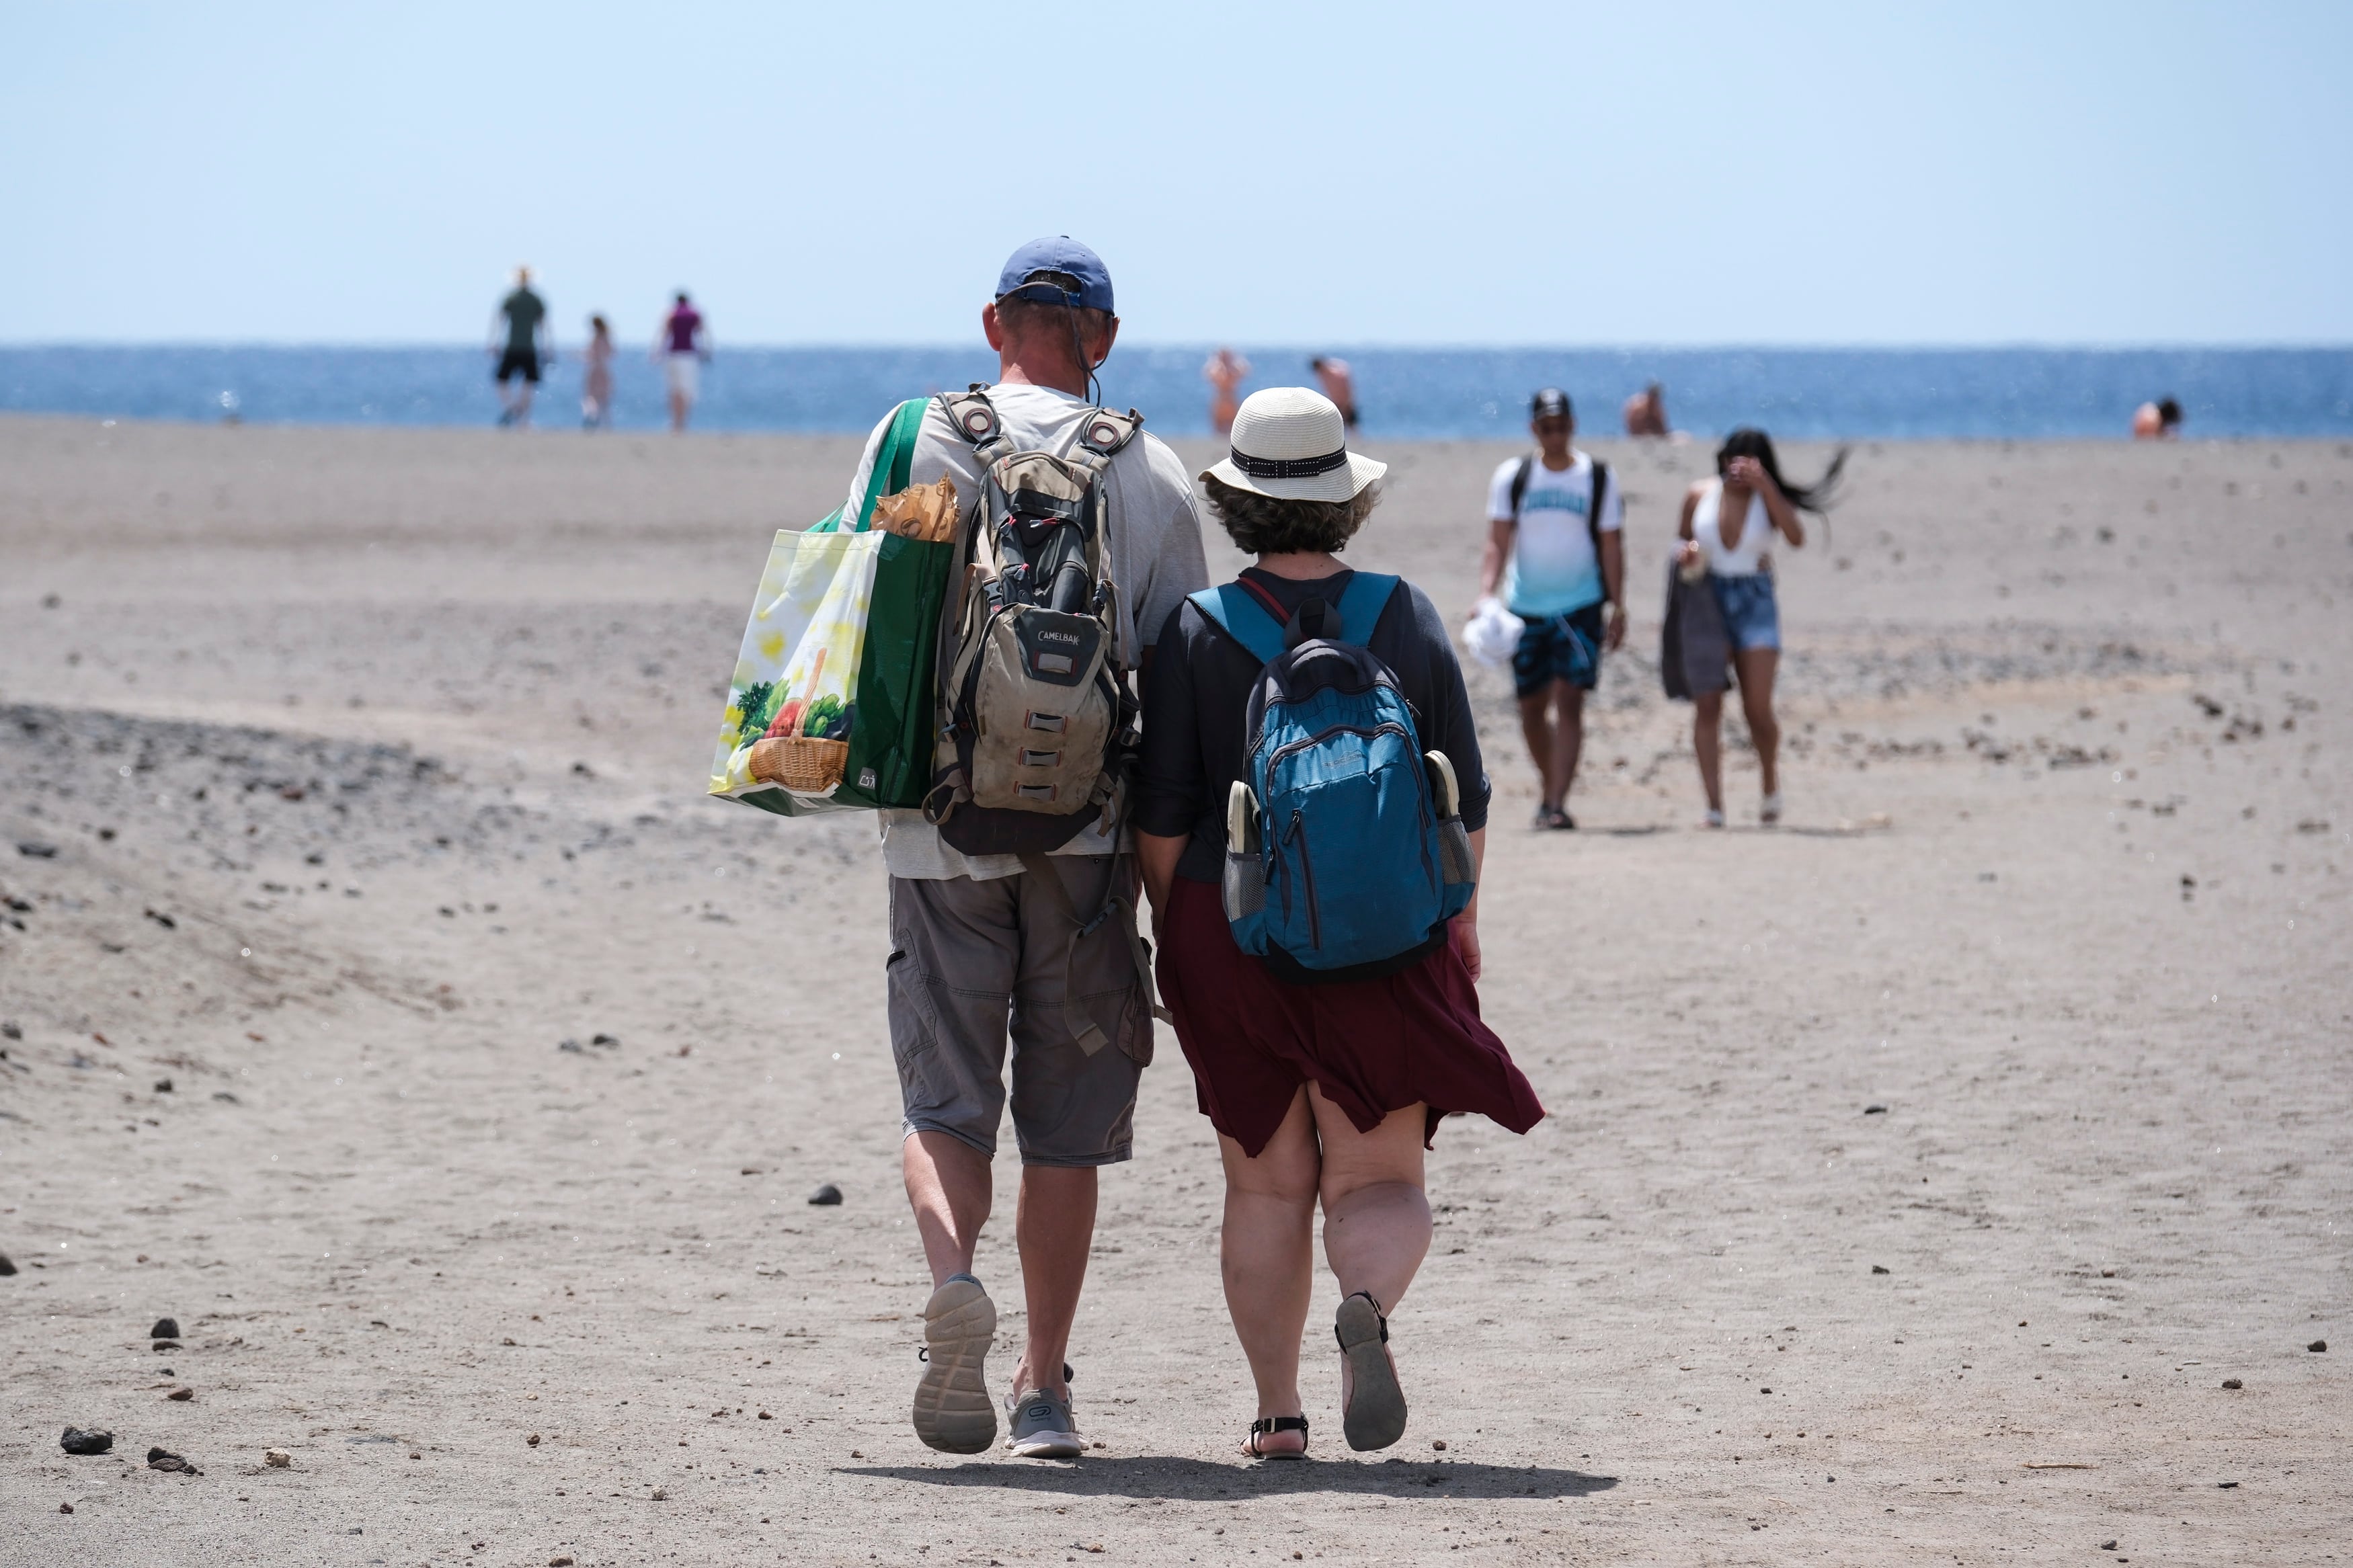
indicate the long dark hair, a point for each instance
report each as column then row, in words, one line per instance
column 1750, row 442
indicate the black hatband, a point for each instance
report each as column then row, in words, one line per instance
column 1288, row 468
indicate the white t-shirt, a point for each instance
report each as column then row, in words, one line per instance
column 1152, row 529
column 1552, row 570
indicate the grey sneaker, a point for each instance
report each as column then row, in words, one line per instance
column 953, row 1413
column 1042, row 1426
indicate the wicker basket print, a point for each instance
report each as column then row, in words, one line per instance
column 792, row 704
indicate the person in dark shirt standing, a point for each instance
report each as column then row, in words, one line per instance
column 520, row 342
column 1328, row 1090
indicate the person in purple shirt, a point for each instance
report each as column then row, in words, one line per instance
column 681, row 348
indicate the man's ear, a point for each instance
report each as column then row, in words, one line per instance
column 991, row 328
column 1110, row 335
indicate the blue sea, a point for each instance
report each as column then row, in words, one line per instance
column 2024, row 393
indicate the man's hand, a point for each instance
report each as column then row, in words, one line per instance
column 1464, row 931
column 1615, row 636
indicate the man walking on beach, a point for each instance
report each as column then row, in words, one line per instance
column 522, row 347
column 1553, row 545
column 978, row 943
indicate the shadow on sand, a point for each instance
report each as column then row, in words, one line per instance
column 1158, row 1476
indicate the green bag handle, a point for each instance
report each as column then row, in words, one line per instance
column 892, row 460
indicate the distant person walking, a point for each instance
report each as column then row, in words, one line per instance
column 1225, row 373
column 597, row 377
column 1728, row 523
column 1555, row 518
column 682, row 347
column 521, row 344
column 1339, row 384
column 1320, row 1093
column 1646, row 412
column 2158, row 421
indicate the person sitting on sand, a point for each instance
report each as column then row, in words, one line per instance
column 2158, row 421
column 979, row 944
column 1728, row 522
column 1225, row 373
column 519, row 342
column 682, row 347
column 1339, row 383
column 1646, row 412
column 1556, row 551
column 597, row 377
column 1327, row 1091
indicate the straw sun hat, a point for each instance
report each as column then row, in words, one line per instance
column 1290, row 444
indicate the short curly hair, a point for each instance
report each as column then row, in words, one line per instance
column 1273, row 525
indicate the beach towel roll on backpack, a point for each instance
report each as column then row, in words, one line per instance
column 1345, row 853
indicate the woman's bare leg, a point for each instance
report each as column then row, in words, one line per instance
column 1376, row 1215
column 1267, row 1257
column 1707, row 740
column 1756, row 665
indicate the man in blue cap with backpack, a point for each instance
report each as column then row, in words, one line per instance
column 1012, row 893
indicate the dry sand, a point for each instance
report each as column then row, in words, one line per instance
column 371, row 764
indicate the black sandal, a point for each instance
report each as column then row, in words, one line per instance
column 1376, row 1414
column 1267, row 1426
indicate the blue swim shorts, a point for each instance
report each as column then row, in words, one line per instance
column 1751, row 617
column 1559, row 648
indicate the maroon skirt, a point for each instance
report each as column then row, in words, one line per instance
column 1372, row 1046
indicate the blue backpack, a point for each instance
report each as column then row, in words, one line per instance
column 1346, row 854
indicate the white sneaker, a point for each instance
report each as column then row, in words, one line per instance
column 1770, row 812
column 953, row 1413
column 1714, row 818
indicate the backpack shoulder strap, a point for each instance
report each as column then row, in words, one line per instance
column 1101, row 436
column 1236, row 611
column 1361, row 604
column 1520, row 484
column 1593, row 512
column 974, row 417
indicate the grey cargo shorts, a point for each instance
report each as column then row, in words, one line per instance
column 970, row 959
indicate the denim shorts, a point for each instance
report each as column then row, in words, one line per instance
column 1751, row 617
column 1559, row 647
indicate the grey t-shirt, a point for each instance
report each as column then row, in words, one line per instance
column 1154, row 538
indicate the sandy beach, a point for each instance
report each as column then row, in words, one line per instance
column 1959, row 1171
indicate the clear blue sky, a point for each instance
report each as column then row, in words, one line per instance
column 2057, row 172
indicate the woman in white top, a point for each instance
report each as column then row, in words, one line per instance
column 1728, row 523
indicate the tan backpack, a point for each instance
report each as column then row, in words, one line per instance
column 1037, row 715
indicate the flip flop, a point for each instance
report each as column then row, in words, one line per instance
column 1375, row 1417
column 1269, row 1425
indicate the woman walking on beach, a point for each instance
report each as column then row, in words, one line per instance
column 1728, row 524
column 1322, row 1091
column 597, row 377
column 683, row 347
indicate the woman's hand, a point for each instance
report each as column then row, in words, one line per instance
column 1463, row 930
column 1750, row 475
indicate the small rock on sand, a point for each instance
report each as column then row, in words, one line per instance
column 65, row 1507
column 276, row 1458
column 164, row 1459
column 660, row 1494
column 561, row 1560
column 7, row 1267
column 2108, row 1546
column 1879, row 1269
column 532, row 1439
column 2316, row 1346
column 181, row 1395
column 2232, row 1383
column 164, row 1328
column 96, row 1440
column 828, row 1193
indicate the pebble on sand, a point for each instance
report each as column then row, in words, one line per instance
column 164, row 1328
column 660, row 1494
column 181, row 1395
column 561, row 1560
column 532, row 1439
column 164, row 1459
column 2108, row 1546
column 1874, row 1110
column 7, row 1267
column 2232, row 1383
column 2316, row 1346
column 1879, row 1269
column 1438, row 1446
column 96, row 1440
column 65, row 1507
column 829, row 1193
column 276, row 1458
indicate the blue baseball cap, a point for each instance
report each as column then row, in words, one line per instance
column 1060, row 254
